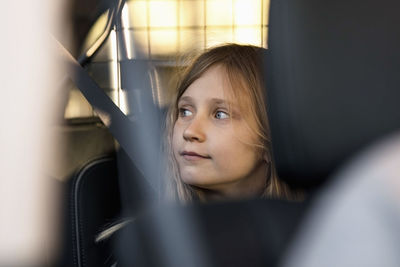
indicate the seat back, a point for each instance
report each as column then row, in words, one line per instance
column 93, row 205
column 333, row 80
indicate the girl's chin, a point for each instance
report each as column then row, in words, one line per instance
column 190, row 180
column 199, row 183
column 194, row 180
column 196, row 177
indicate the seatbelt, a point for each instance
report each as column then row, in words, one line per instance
column 126, row 132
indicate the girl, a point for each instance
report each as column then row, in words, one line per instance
column 218, row 138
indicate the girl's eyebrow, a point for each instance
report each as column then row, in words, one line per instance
column 219, row 101
column 186, row 99
column 233, row 106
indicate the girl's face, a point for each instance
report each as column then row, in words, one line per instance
column 212, row 141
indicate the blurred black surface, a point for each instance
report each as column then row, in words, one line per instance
column 332, row 74
column 248, row 233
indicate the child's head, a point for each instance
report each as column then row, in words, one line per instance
column 218, row 132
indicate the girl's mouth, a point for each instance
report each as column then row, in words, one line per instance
column 190, row 155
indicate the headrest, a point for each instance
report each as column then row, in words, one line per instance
column 333, row 81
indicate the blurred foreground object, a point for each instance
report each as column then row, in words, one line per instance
column 332, row 74
column 356, row 221
column 28, row 79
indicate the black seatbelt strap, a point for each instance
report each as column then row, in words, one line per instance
column 143, row 152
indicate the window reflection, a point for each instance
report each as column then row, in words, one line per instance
column 160, row 30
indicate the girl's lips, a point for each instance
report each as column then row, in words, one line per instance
column 190, row 155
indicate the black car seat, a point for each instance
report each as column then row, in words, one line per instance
column 332, row 75
column 93, row 204
column 333, row 79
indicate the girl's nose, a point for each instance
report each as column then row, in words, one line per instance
column 195, row 131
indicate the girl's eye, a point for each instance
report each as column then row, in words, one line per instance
column 221, row 115
column 183, row 112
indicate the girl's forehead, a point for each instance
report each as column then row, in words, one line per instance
column 213, row 83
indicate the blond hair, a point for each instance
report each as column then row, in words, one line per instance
column 243, row 66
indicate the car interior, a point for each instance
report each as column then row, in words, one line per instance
column 331, row 73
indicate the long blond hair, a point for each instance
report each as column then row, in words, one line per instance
column 243, row 67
